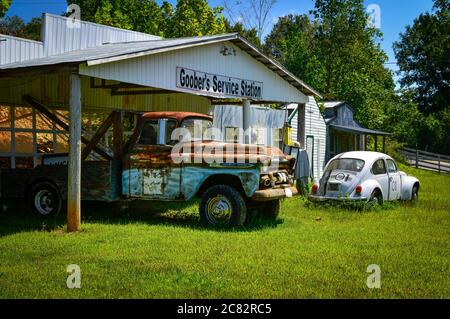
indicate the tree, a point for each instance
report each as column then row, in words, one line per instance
column 253, row 14
column 88, row 8
column 15, row 26
column 4, row 6
column 250, row 34
column 188, row 18
column 423, row 57
column 292, row 42
column 196, row 18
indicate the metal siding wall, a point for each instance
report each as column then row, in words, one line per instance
column 60, row 38
column 159, row 70
column 315, row 126
column 18, row 50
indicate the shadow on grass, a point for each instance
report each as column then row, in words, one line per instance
column 16, row 217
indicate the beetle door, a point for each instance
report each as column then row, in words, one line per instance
column 379, row 173
column 394, row 180
column 149, row 172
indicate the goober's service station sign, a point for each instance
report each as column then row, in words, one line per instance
column 218, row 84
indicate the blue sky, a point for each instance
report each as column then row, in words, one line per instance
column 395, row 14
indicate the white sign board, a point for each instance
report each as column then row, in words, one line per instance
column 218, row 84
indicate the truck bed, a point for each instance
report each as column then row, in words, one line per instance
column 100, row 180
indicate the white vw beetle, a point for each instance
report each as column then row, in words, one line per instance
column 364, row 176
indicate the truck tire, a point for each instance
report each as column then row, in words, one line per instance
column 45, row 200
column 271, row 209
column 222, row 205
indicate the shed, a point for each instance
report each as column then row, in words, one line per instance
column 345, row 134
column 84, row 67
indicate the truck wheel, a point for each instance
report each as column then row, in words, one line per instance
column 222, row 205
column 45, row 199
column 271, row 209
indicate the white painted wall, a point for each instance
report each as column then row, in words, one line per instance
column 159, row 71
column 314, row 126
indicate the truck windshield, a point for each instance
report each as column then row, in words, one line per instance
column 198, row 128
column 346, row 164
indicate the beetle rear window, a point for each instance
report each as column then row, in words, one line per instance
column 346, row 164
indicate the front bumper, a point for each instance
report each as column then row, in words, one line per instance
column 274, row 194
column 321, row 199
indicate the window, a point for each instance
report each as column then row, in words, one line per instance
column 232, row 134
column 171, row 125
column 346, row 164
column 196, row 127
column 392, row 167
column 149, row 133
column 379, row 168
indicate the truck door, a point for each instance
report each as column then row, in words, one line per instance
column 149, row 172
column 394, row 180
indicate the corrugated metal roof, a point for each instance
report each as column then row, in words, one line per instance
column 332, row 104
column 121, row 51
column 358, row 130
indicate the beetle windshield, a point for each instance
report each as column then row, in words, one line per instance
column 346, row 164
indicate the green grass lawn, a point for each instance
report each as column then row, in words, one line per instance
column 307, row 253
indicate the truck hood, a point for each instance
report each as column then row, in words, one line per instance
column 239, row 153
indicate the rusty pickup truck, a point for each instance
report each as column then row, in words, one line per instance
column 169, row 157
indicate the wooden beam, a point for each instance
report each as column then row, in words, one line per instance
column 74, row 161
column 97, row 136
column 301, row 125
column 118, row 135
column 116, row 92
column 52, row 117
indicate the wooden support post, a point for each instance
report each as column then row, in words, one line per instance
column 246, row 120
column 439, row 164
column 97, row 136
column 301, row 125
column 118, row 135
column 384, row 144
column 417, row 157
column 376, row 143
column 74, row 161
